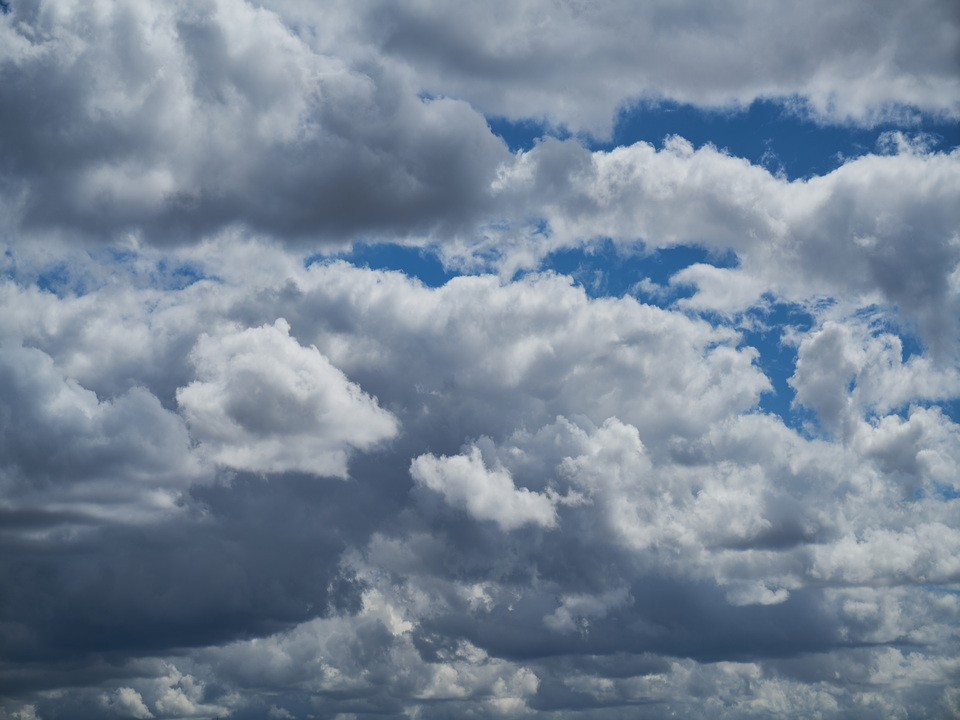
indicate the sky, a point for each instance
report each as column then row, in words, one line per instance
column 509, row 359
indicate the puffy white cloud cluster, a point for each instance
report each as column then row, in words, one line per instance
column 881, row 228
column 239, row 478
column 465, row 482
column 264, row 403
column 577, row 64
column 169, row 121
column 569, row 479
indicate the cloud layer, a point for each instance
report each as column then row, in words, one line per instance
column 561, row 498
column 242, row 475
column 172, row 121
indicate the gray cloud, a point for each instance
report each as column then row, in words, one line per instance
column 238, row 478
column 65, row 450
column 666, row 516
column 363, row 120
column 173, row 122
column 879, row 228
column 530, row 60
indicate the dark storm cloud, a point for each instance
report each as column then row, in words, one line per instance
column 664, row 617
column 53, row 428
column 249, row 558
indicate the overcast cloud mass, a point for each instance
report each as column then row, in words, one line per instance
column 362, row 359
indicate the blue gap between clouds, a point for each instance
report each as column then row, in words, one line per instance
column 602, row 270
column 778, row 359
column 417, row 262
column 165, row 275
column 766, row 133
column 59, row 280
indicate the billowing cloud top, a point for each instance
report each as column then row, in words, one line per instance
column 372, row 359
column 170, row 120
column 266, row 404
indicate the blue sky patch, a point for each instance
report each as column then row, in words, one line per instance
column 419, row 262
column 767, row 133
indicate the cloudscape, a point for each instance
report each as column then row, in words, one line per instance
column 427, row 360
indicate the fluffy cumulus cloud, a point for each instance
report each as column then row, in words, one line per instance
column 465, row 482
column 633, row 430
column 576, row 64
column 66, row 450
column 264, row 403
column 170, row 120
column 128, row 702
column 880, row 227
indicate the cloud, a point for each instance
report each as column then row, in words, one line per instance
column 880, row 228
column 610, row 495
column 556, row 501
column 575, row 610
column 527, row 60
column 66, row 451
column 171, row 122
column 845, row 371
column 129, row 703
column 367, row 120
column 465, row 482
column 265, row 403
column 498, row 355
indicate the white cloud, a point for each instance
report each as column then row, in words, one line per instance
column 575, row 611
column 880, row 228
column 920, row 451
column 927, row 552
column 500, row 355
column 465, row 482
column 265, row 403
column 846, row 370
column 659, row 488
column 26, row 712
column 718, row 289
column 131, row 703
column 181, row 695
column 530, row 59
column 824, row 372
column 351, row 658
